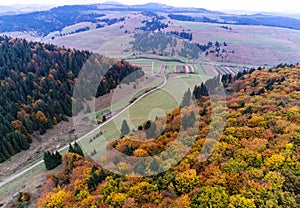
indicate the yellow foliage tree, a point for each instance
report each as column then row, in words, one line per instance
column 275, row 161
column 186, row 181
column 58, row 199
column 140, row 153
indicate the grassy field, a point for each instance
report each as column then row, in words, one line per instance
column 159, row 103
column 253, row 45
column 207, row 68
column 28, row 182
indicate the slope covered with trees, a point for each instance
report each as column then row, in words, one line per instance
column 44, row 22
column 255, row 163
column 36, row 88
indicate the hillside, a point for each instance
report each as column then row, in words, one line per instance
column 255, row 19
column 55, row 19
column 255, row 163
column 44, row 22
column 37, row 88
column 256, row 40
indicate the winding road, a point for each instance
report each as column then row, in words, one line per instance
column 15, row 176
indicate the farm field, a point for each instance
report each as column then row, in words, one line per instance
column 247, row 44
column 152, row 66
column 251, row 45
column 156, row 104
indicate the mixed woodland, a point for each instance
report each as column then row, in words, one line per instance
column 36, row 88
column 255, row 163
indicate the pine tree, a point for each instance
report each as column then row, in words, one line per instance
column 140, row 166
column 186, row 99
column 76, row 149
column 48, row 160
column 71, row 149
column 58, row 158
column 52, row 160
column 128, row 150
column 9, row 147
column 155, row 165
column 125, row 128
column 150, row 128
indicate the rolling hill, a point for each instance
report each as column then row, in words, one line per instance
column 180, row 149
column 255, row 163
column 257, row 39
column 37, row 88
column 60, row 17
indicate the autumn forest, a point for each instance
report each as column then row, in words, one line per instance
column 255, row 164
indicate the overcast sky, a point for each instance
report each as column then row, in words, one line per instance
column 249, row 5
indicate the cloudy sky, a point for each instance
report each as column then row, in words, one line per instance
column 249, row 5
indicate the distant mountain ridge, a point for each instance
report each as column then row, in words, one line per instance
column 44, row 22
column 55, row 19
column 21, row 9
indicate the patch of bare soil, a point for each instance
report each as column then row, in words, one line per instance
column 56, row 138
column 126, row 90
column 63, row 133
column 53, row 139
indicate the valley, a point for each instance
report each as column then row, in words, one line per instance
column 171, row 107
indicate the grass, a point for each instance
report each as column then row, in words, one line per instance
column 158, row 103
column 29, row 181
column 15, row 185
column 207, row 69
column 157, row 57
column 146, row 65
column 101, row 113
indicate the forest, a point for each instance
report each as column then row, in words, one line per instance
column 148, row 41
column 255, row 163
column 161, row 43
column 36, row 89
column 44, row 22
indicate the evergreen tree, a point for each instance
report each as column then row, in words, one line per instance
column 76, row 149
column 128, row 150
column 186, row 99
column 95, row 178
column 52, row 160
column 71, row 148
column 140, row 167
column 58, row 158
column 125, row 128
column 150, row 128
column 154, row 165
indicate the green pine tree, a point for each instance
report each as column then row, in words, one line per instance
column 125, row 128
column 186, row 99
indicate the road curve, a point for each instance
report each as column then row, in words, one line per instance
column 13, row 177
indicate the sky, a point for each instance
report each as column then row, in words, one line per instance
column 247, row 5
